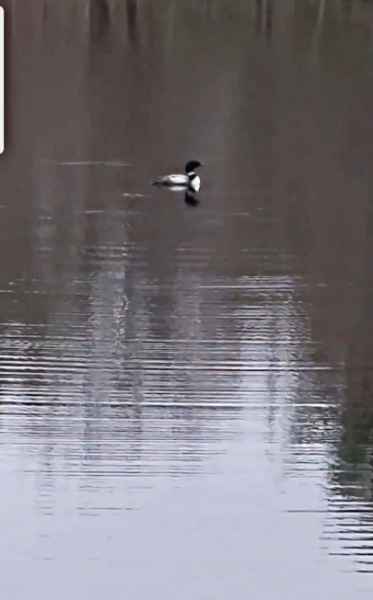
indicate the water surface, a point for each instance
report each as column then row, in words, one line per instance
column 185, row 391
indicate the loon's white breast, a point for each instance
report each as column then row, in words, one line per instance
column 194, row 182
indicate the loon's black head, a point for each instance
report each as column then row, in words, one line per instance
column 192, row 165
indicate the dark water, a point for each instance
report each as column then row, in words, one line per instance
column 186, row 391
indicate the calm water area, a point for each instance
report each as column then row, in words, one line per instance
column 186, row 390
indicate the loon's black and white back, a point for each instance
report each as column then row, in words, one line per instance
column 181, row 181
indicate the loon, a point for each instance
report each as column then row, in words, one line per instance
column 181, row 181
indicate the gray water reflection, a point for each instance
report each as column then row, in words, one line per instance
column 185, row 388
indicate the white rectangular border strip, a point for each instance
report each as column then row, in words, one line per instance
column 2, row 78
